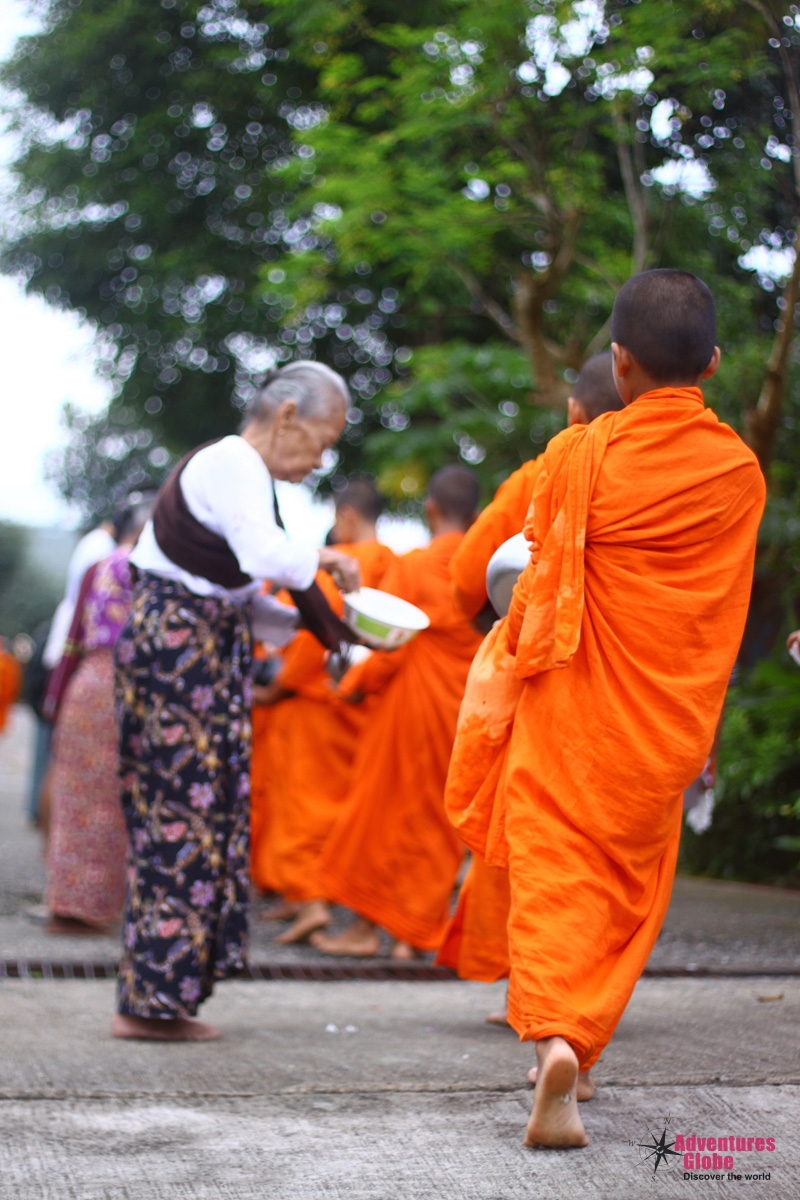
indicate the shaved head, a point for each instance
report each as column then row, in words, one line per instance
column 595, row 387
column 666, row 319
column 363, row 496
column 455, row 491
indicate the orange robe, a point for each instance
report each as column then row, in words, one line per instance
column 265, row 749
column 314, row 735
column 393, row 856
column 476, row 943
column 10, row 684
column 503, row 517
column 592, row 707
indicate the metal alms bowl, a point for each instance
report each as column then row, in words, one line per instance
column 381, row 620
column 504, row 569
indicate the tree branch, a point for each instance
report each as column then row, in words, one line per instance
column 493, row 310
column 761, row 422
column 634, row 194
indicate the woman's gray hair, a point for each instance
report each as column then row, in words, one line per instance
column 315, row 388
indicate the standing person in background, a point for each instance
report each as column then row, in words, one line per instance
column 476, row 942
column 88, row 844
column 592, row 705
column 94, row 546
column 314, row 732
column 33, row 690
column 392, row 856
column 183, row 687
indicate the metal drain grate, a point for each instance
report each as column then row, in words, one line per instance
column 310, row 972
column 381, row 969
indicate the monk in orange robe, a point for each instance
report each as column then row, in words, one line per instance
column 264, row 752
column 313, row 733
column 476, row 943
column 593, row 705
column 10, row 682
column 393, row 856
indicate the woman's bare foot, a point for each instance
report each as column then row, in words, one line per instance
column 586, row 1083
column 404, row 952
column 311, row 917
column 361, row 940
column 74, row 927
column 498, row 1018
column 179, row 1029
column 555, row 1120
column 281, row 910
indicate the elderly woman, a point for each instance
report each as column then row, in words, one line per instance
column 183, row 693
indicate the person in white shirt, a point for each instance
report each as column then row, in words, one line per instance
column 184, row 693
column 92, row 548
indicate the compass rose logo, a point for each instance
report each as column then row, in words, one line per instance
column 657, row 1148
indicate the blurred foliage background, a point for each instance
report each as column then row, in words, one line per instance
column 439, row 199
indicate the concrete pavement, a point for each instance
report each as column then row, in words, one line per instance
column 388, row 1090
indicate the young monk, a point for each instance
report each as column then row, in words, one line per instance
column 476, row 943
column 393, row 856
column 593, row 704
column 313, row 733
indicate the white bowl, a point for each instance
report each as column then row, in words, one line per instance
column 504, row 569
column 381, row 620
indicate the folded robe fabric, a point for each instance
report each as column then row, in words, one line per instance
column 316, row 743
column 393, row 856
column 593, row 705
column 475, row 943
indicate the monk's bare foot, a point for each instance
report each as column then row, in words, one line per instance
column 180, row 1029
column 586, row 1083
column 74, row 927
column 555, row 1120
column 404, row 952
column 312, row 916
column 361, row 940
column 498, row 1018
column 281, row 910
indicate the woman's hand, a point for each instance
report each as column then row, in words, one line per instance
column 344, row 569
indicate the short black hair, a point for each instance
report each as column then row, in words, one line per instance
column 667, row 320
column 595, row 387
column 362, row 495
column 455, row 490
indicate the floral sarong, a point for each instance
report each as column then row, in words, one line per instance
column 183, row 697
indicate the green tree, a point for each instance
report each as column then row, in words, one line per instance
column 442, row 206
column 27, row 597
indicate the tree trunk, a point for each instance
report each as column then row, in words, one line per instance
column 761, row 423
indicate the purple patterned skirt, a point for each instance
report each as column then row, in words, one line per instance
column 183, row 708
